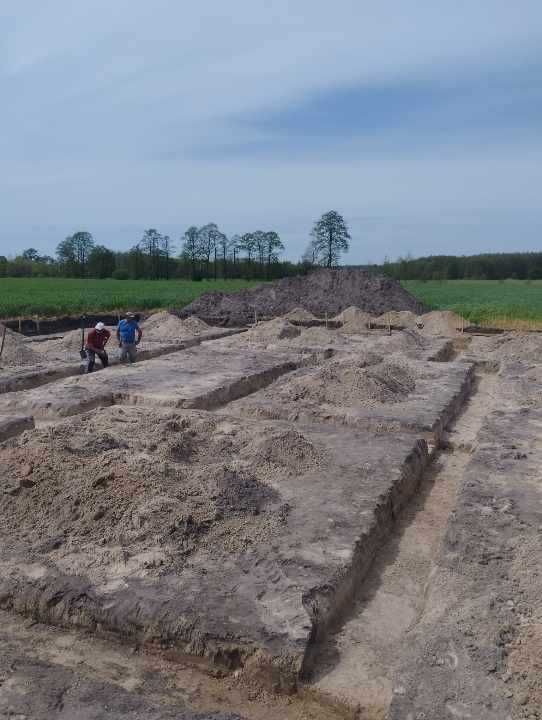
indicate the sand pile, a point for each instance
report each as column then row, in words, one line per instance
column 401, row 318
column 361, row 380
column 271, row 331
column 299, row 314
column 146, row 488
column 16, row 352
column 163, row 326
column 353, row 320
column 325, row 290
column 442, row 322
column 167, row 327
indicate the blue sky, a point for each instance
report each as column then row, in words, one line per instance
column 421, row 121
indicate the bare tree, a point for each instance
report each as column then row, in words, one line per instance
column 151, row 244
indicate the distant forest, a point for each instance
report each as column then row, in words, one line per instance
column 206, row 252
column 490, row 266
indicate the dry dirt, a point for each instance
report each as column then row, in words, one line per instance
column 323, row 291
column 442, row 322
column 16, row 352
column 147, row 489
column 402, row 318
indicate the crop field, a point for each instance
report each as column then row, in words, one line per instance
column 23, row 297
column 508, row 303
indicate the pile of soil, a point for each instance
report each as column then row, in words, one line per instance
column 354, row 320
column 442, row 322
column 402, row 318
column 167, row 327
column 325, row 290
column 271, row 331
column 364, row 379
column 299, row 314
column 147, row 489
column 16, row 352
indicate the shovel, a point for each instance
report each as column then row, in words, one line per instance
column 82, row 352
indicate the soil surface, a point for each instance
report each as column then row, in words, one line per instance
column 326, row 290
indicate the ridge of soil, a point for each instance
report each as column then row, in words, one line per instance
column 326, row 290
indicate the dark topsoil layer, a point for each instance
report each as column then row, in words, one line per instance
column 326, row 290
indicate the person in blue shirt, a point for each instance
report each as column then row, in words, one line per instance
column 129, row 336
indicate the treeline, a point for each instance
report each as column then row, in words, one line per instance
column 204, row 252
column 490, row 266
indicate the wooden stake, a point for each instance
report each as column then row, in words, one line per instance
column 326, row 319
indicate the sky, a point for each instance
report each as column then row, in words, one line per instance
column 420, row 122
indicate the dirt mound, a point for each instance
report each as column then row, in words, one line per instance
column 299, row 314
column 16, row 352
column 403, row 318
column 312, row 337
column 167, row 327
column 442, row 322
column 326, row 290
column 361, row 380
column 143, row 488
column 271, row 331
column 354, row 320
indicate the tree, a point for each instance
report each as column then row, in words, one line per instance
column 191, row 248
column 167, row 250
column 83, row 242
column 31, row 254
column 152, row 244
column 310, row 256
column 248, row 245
column 273, row 246
column 224, row 246
column 330, row 237
column 101, row 262
column 208, row 237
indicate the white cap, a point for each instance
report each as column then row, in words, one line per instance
column 99, row 326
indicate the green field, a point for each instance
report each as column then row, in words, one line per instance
column 46, row 297
column 508, row 303
column 489, row 302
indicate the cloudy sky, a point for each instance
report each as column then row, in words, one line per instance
column 420, row 121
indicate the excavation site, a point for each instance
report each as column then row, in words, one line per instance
column 285, row 509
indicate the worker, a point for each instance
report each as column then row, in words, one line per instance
column 97, row 339
column 127, row 331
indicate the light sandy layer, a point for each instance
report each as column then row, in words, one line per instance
column 16, row 352
column 442, row 322
column 300, row 314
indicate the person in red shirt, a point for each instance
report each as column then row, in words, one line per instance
column 96, row 342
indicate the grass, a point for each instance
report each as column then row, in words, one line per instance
column 509, row 304
column 513, row 304
column 48, row 297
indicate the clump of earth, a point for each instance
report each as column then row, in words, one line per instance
column 16, row 351
column 442, row 322
column 330, row 290
column 146, row 489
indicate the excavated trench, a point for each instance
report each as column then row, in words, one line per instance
column 351, row 664
column 355, row 664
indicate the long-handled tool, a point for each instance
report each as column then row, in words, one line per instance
column 3, row 340
column 82, row 352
